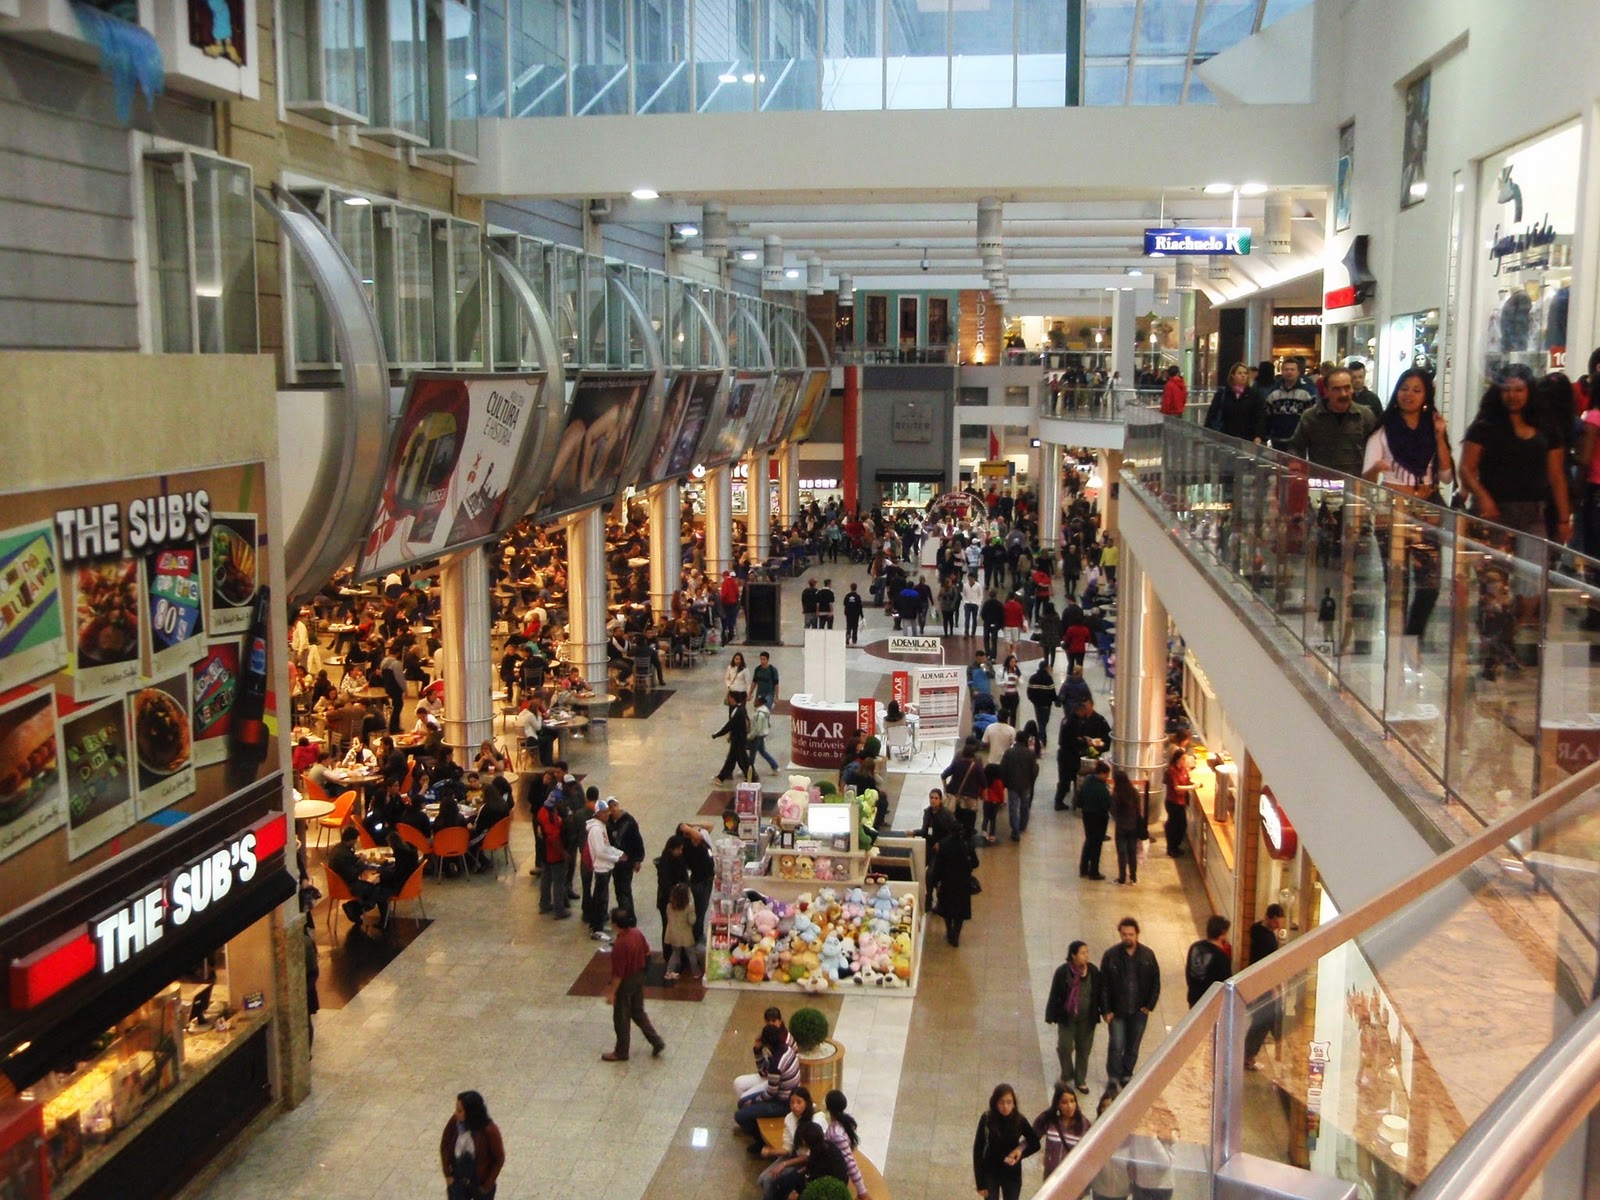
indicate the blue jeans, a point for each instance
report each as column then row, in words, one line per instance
column 1122, row 1046
column 746, row 1115
column 758, row 745
column 1017, row 806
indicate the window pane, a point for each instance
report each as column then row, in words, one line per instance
column 1165, row 26
column 400, row 77
column 661, row 56
column 724, row 56
column 167, row 238
column 405, row 284
column 538, row 58
column 597, row 315
column 456, row 111
column 466, row 260
column 295, row 29
column 1107, row 28
column 344, row 54
column 1157, row 84
column 1105, row 83
column 982, row 63
column 919, row 56
column 224, row 257
column 563, row 299
column 492, row 58
column 1041, row 53
column 1278, row 9
column 852, row 66
column 599, row 57
column 789, row 60
column 1224, row 23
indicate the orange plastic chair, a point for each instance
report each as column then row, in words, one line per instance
column 363, row 838
column 415, row 836
column 499, row 838
column 452, row 843
column 338, row 892
column 337, row 818
column 312, row 790
column 412, row 890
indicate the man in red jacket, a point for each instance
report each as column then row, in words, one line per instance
column 630, row 955
column 1175, row 395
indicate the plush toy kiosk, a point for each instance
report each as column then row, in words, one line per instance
column 798, row 906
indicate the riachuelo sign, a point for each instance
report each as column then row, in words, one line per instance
column 1233, row 239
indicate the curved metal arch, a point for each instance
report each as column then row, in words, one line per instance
column 532, row 469
column 358, row 431
column 741, row 312
column 719, row 342
column 795, row 342
column 644, row 434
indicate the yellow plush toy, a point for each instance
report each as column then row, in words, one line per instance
column 902, row 955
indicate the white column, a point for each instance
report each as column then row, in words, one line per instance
column 468, row 669
column 1124, row 339
column 758, row 515
column 1138, row 729
column 788, row 459
column 586, row 596
column 1257, row 331
column 666, row 546
column 719, row 522
column 1049, row 496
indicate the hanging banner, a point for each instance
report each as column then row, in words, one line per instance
column 900, row 688
column 1194, row 240
column 939, row 692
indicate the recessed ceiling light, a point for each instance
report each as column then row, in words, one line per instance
column 1156, row 254
column 1135, row 271
column 791, row 273
column 1128, row 288
column 646, row 193
column 357, row 201
column 748, row 77
column 725, row 77
column 1218, row 189
column 471, row 77
column 688, row 229
column 748, row 255
column 1252, row 189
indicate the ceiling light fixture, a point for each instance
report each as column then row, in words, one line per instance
column 1252, row 189
column 357, row 201
column 646, row 193
column 791, row 272
column 748, row 255
column 1218, row 189
column 727, row 77
column 471, row 77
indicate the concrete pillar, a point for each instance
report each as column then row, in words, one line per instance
column 1188, row 352
column 852, row 439
column 1049, row 495
column 719, row 522
column 1125, row 339
column 788, row 460
column 468, row 670
column 1138, row 729
column 666, row 546
column 1110, row 473
column 1257, row 330
column 586, row 596
column 758, row 508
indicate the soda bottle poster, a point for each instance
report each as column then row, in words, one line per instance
column 215, row 681
column 452, row 462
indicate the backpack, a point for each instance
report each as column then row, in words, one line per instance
column 573, row 831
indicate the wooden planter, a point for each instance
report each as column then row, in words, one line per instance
column 825, row 1072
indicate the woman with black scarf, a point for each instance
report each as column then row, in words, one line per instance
column 1409, row 452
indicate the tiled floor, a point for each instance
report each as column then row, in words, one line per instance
column 481, row 1000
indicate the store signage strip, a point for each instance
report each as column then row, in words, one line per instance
column 113, row 939
column 1227, row 239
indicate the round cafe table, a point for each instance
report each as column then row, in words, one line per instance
column 310, row 810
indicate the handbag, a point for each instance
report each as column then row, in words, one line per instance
column 973, row 886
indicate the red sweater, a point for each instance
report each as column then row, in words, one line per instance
column 630, row 954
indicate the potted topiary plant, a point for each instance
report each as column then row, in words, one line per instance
column 826, row 1187
column 821, row 1058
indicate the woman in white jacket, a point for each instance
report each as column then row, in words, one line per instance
column 738, row 681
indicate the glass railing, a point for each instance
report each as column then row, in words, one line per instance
column 1385, row 1040
column 871, row 355
column 1474, row 647
column 1098, row 403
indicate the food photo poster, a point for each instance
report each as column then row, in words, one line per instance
column 124, row 606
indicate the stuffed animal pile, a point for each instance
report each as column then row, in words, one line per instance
column 823, row 940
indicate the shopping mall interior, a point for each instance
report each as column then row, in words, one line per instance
column 834, row 467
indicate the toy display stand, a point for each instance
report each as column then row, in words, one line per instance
column 789, row 862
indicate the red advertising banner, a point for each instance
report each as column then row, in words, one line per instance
column 901, row 687
column 866, row 715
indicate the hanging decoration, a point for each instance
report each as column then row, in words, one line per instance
column 217, row 29
column 128, row 52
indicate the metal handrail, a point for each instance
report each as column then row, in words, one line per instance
column 1509, row 1146
column 1573, row 1079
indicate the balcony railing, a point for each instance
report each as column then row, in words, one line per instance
column 1403, row 1032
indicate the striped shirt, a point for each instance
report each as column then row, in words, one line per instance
column 836, row 1134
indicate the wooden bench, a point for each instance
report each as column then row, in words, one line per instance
column 772, row 1134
